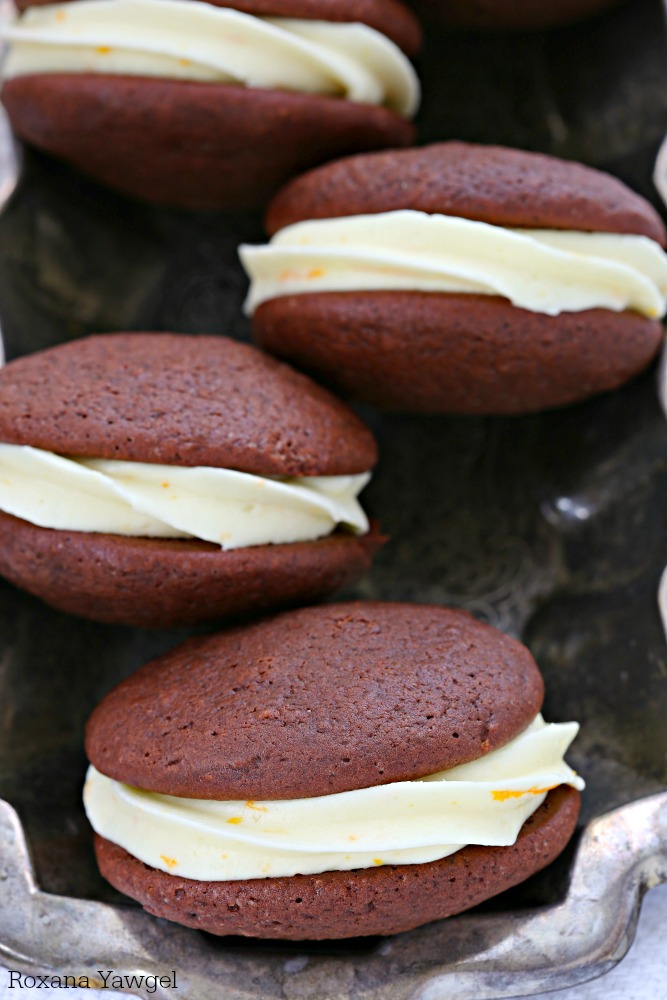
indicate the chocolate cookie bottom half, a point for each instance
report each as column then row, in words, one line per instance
column 435, row 352
column 189, row 144
column 163, row 583
column 385, row 900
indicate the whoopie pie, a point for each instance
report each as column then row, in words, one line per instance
column 336, row 771
column 210, row 105
column 158, row 479
column 461, row 278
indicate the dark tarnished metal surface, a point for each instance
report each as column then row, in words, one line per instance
column 552, row 526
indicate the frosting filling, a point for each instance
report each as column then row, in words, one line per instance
column 485, row 802
column 193, row 40
column 231, row 509
column 542, row 270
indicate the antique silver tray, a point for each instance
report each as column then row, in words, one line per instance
column 552, row 526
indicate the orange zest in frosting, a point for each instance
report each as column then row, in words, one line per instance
column 250, row 804
column 504, row 794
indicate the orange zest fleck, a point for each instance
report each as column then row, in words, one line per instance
column 165, row 486
column 297, row 274
column 103, row 50
column 503, row 795
column 250, row 804
column 316, row 272
column 378, row 861
column 170, row 862
column 235, row 820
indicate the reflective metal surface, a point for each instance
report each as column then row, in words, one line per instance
column 551, row 526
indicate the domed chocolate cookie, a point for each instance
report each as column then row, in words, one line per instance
column 158, row 479
column 300, row 681
column 344, row 770
column 461, row 278
column 210, row 105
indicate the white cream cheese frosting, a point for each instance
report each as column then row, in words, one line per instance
column 231, row 509
column 193, row 40
column 545, row 271
column 408, row 822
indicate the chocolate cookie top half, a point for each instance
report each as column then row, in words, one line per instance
column 504, row 187
column 317, row 701
column 389, row 17
column 179, row 400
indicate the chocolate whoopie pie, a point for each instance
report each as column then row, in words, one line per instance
column 157, row 479
column 346, row 770
column 210, row 105
column 461, row 278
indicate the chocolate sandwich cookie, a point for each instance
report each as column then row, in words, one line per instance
column 338, row 771
column 157, row 479
column 461, row 278
column 210, row 105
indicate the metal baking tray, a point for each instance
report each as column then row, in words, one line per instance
column 552, row 527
